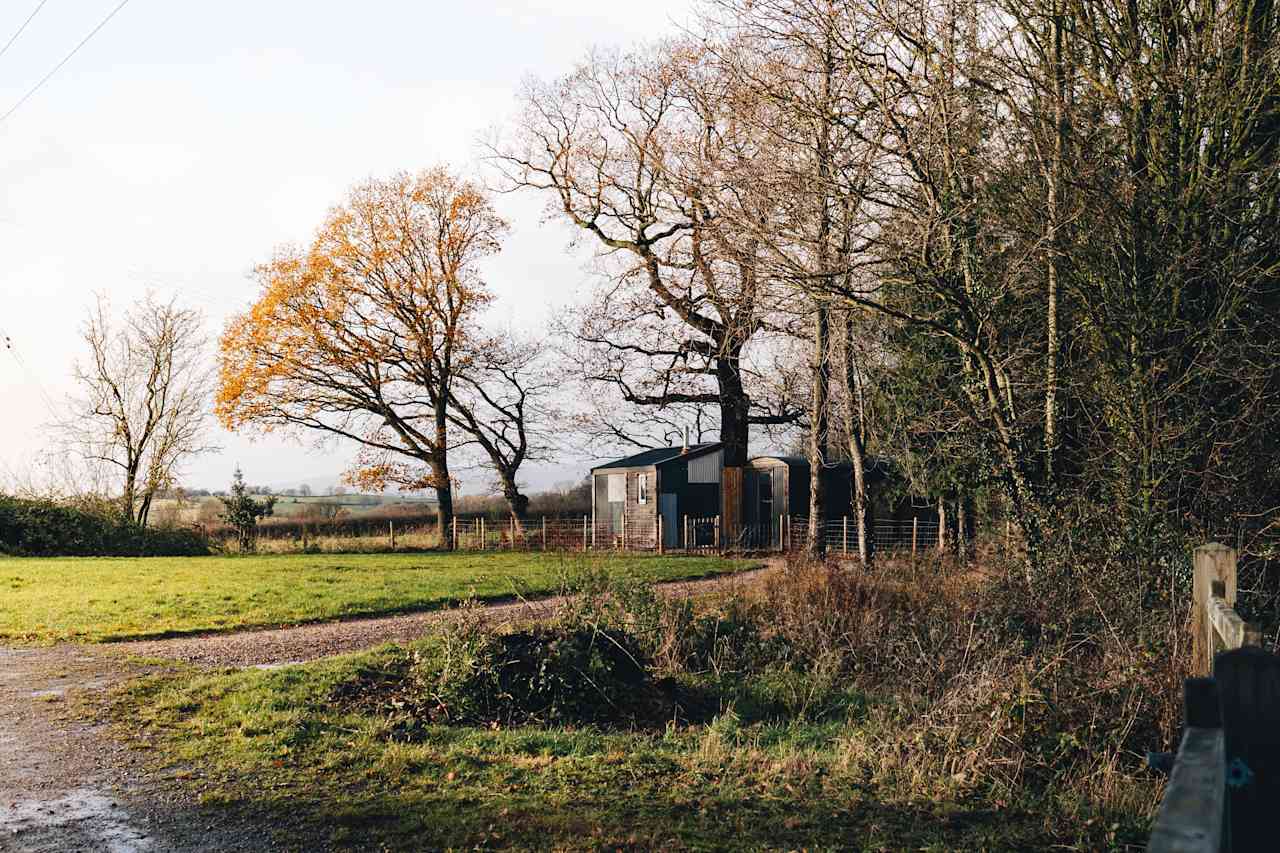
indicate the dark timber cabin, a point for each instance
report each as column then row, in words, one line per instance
column 678, row 482
column 777, row 486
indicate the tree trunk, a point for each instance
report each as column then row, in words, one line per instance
column 734, row 433
column 942, row 526
column 517, row 502
column 962, row 538
column 1054, row 181
column 444, row 516
column 860, row 498
column 734, row 411
column 857, row 438
column 818, row 423
column 129, row 493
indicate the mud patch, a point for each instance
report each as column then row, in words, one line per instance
column 81, row 819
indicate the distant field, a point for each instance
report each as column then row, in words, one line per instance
column 291, row 506
column 97, row 599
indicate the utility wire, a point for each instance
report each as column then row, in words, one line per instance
column 8, row 344
column 64, row 61
column 14, row 37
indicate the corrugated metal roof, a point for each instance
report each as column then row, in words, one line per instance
column 657, row 456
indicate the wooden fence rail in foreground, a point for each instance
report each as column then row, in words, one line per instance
column 1224, row 784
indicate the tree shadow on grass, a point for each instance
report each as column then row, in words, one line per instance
column 585, row 820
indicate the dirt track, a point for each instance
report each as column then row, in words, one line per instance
column 66, row 785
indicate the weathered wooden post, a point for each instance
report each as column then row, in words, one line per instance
column 845, row 535
column 624, row 529
column 915, row 535
column 484, row 544
column 454, row 535
column 584, row 534
column 391, row 532
column 544, row 533
column 1212, row 562
column 715, row 533
column 942, row 526
column 660, row 543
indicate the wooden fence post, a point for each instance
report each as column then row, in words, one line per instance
column 915, row 532
column 845, row 535
column 1212, row 562
column 624, row 529
column 584, row 534
column 454, row 536
column 391, row 529
column 484, row 535
column 660, row 543
column 544, row 533
column 715, row 533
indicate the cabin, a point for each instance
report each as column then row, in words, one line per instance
column 677, row 483
column 685, row 488
column 775, row 487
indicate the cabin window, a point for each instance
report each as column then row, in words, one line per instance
column 617, row 488
column 642, row 489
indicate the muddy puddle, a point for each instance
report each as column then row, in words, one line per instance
column 81, row 819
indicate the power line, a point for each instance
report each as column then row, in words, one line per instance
column 8, row 344
column 64, row 61
column 14, row 37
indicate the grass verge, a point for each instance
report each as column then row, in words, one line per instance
column 278, row 740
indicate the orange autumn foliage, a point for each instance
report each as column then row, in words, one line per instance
column 362, row 333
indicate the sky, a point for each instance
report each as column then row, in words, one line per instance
column 187, row 139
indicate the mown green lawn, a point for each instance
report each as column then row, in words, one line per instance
column 97, row 599
column 283, row 743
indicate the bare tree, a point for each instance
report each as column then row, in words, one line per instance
column 633, row 150
column 501, row 404
column 144, row 398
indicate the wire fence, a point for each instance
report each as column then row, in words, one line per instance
column 687, row 534
column 840, row 535
column 563, row 534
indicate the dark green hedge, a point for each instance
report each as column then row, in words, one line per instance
column 37, row 528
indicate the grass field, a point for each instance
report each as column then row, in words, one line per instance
column 90, row 599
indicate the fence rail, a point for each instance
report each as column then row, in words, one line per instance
column 1223, row 786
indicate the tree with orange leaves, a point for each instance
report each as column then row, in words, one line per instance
column 363, row 334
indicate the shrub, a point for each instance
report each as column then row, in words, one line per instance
column 41, row 528
column 560, row 673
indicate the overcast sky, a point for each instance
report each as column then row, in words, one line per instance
column 186, row 139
